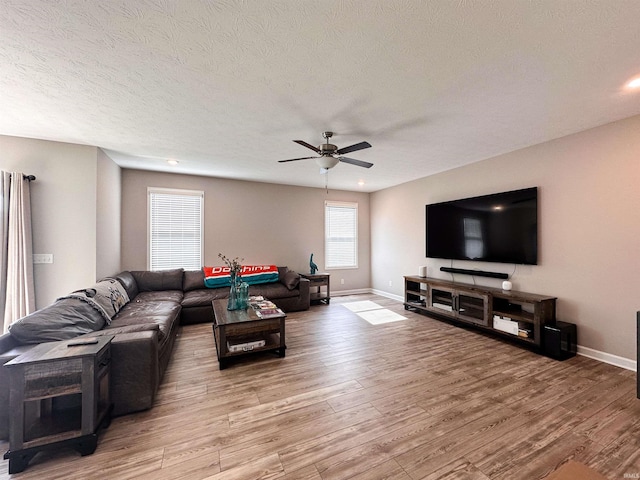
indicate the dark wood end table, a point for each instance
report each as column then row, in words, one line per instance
column 241, row 332
column 317, row 282
column 59, row 396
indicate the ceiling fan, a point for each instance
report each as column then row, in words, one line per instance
column 330, row 154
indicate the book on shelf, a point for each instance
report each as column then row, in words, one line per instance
column 524, row 332
column 269, row 312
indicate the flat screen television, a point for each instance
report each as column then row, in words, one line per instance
column 502, row 228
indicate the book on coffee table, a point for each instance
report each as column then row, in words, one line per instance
column 269, row 312
column 263, row 305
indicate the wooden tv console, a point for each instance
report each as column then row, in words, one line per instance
column 516, row 315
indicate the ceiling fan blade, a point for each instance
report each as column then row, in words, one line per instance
column 308, row 145
column 353, row 148
column 295, row 159
column 353, row 161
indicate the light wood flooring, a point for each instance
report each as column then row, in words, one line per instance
column 416, row 399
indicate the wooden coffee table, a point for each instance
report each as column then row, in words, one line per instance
column 241, row 332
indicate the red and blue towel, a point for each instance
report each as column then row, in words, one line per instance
column 215, row 277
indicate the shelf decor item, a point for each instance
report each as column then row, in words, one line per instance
column 235, row 271
column 313, row 268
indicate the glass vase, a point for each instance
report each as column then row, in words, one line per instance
column 242, row 295
column 232, row 301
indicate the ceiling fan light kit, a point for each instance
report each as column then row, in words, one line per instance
column 330, row 154
column 327, row 162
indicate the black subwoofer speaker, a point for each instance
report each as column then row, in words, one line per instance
column 559, row 340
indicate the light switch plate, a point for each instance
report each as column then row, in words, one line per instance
column 42, row 258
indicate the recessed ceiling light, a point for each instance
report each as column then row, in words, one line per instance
column 633, row 83
column 173, row 162
column 361, row 183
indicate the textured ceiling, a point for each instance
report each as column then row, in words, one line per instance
column 225, row 86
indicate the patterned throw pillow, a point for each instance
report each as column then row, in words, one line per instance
column 107, row 296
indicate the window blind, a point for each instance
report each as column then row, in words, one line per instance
column 175, row 229
column 341, row 235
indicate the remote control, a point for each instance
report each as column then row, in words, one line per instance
column 80, row 343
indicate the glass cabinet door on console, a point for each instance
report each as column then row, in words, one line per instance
column 467, row 306
column 473, row 308
column 442, row 299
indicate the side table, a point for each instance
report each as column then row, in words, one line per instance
column 59, row 396
column 318, row 281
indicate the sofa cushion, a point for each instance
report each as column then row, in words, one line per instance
column 160, row 280
column 272, row 291
column 66, row 318
column 193, row 280
column 203, row 297
column 174, row 296
column 14, row 352
column 164, row 313
column 141, row 327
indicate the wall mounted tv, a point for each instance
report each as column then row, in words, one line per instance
column 501, row 227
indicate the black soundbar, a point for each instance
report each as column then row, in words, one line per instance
column 479, row 273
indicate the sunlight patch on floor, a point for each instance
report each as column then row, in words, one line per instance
column 373, row 313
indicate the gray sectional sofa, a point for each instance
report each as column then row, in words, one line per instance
column 144, row 314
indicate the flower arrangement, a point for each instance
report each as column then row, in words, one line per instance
column 235, row 264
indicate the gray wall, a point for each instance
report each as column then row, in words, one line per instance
column 108, row 211
column 589, row 229
column 64, row 209
column 261, row 222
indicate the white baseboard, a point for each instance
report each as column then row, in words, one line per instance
column 387, row 295
column 609, row 358
column 350, row 292
column 604, row 357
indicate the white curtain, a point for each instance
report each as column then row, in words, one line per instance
column 17, row 297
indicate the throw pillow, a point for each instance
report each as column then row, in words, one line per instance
column 291, row 280
column 107, row 296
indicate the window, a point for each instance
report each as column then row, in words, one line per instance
column 473, row 242
column 175, row 229
column 341, row 234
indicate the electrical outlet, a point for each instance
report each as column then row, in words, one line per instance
column 42, row 258
column 390, row 283
column 342, row 281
